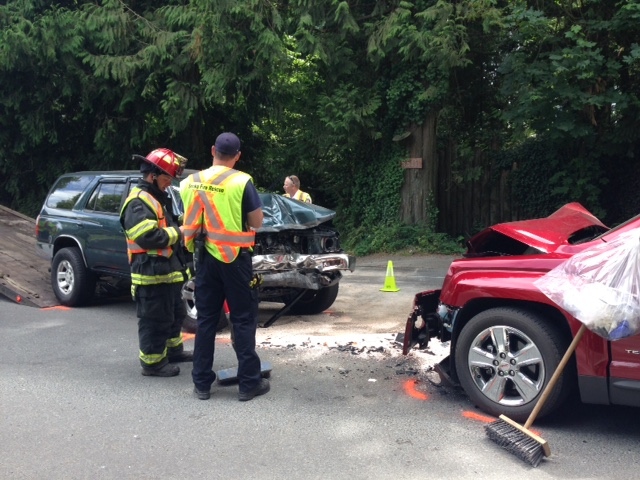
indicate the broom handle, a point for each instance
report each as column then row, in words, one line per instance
column 554, row 378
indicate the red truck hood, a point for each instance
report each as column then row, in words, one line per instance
column 543, row 234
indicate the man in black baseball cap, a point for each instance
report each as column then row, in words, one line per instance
column 224, row 203
column 227, row 143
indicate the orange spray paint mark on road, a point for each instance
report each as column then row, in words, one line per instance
column 485, row 419
column 190, row 336
column 478, row 417
column 57, row 307
column 411, row 390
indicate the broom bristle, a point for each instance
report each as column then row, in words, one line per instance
column 528, row 447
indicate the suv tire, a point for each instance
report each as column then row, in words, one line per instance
column 190, row 324
column 314, row 301
column 490, row 381
column 72, row 283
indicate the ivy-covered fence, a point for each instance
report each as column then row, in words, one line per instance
column 486, row 189
column 531, row 180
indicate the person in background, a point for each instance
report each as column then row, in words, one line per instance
column 222, row 207
column 157, row 267
column 292, row 189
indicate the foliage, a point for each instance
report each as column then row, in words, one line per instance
column 546, row 91
column 541, row 183
column 370, row 222
column 396, row 237
column 566, row 75
column 375, row 185
column 41, row 106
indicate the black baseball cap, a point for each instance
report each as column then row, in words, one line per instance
column 227, row 143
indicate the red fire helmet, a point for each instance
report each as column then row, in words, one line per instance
column 168, row 161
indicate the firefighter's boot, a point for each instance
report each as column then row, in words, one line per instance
column 178, row 355
column 165, row 370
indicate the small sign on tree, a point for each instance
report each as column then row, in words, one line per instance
column 412, row 163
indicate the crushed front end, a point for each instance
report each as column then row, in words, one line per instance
column 430, row 319
column 424, row 322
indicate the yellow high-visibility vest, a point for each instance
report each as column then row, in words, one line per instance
column 300, row 195
column 212, row 202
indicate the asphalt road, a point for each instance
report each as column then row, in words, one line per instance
column 344, row 403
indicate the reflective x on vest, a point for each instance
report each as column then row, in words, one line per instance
column 209, row 197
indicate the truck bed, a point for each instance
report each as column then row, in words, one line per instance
column 24, row 276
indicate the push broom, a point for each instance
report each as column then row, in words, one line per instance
column 518, row 439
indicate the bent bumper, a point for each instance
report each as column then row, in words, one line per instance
column 424, row 322
column 310, row 272
column 322, row 263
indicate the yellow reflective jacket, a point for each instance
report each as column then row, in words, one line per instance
column 144, row 220
column 300, row 195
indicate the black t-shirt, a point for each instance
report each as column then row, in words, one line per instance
column 250, row 200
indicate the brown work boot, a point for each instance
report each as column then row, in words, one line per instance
column 167, row 370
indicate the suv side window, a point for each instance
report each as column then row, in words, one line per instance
column 67, row 191
column 107, row 198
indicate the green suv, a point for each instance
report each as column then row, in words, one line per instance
column 297, row 251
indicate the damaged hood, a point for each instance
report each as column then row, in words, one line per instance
column 282, row 213
column 543, row 234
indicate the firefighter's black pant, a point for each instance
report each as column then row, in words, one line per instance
column 215, row 282
column 160, row 316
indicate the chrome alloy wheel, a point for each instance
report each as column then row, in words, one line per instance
column 506, row 366
column 65, row 277
column 189, row 298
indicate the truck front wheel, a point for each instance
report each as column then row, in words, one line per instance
column 504, row 359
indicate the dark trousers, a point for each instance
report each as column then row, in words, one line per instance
column 215, row 282
column 161, row 313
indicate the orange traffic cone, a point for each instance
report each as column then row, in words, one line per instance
column 389, row 280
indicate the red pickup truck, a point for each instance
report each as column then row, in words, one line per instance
column 506, row 337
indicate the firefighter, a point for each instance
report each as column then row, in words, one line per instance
column 157, row 265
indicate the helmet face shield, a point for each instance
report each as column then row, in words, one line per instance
column 168, row 161
column 181, row 163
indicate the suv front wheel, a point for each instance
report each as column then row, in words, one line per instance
column 72, row 283
column 314, row 301
column 504, row 359
column 190, row 323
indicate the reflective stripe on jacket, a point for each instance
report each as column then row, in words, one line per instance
column 213, row 202
column 145, row 269
column 147, row 225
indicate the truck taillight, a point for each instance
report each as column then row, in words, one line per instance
column 38, row 226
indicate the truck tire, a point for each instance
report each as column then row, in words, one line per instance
column 314, row 301
column 504, row 359
column 72, row 282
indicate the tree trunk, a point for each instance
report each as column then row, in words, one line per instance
column 420, row 176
